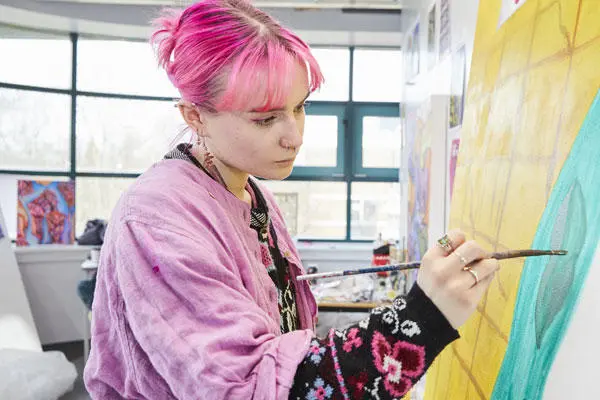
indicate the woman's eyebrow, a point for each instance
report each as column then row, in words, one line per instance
column 280, row 108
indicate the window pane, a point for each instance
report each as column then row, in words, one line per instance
column 381, row 142
column 112, row 66
column 315, row 210
column 377, row 75
column 319, row 148
column 335, row 66
column 375, row 210
column 96, row 198
column 115, row 135
column 34, row 130
column 35, row 59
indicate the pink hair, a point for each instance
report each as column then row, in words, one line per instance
column 229, row 55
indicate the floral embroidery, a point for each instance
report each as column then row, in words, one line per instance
column 410, row 328
column 320, row 391
column 399, row 303
column 315, row 352
column 378, row 358
column 374, row 393
column 359, row 384
column 352, row 341
column 391, row 318
column 364, row 324
column 378, row 310
column 398, row 362
column 156, row 269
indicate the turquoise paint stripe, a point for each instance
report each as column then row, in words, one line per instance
column 527, row 363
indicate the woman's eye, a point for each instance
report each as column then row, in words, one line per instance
column 302, row 106
column 265, row 121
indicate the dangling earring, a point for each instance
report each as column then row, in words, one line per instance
column 207, row 161
column 208, row 157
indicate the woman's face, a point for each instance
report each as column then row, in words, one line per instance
column 263, row 144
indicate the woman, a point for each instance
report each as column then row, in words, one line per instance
column 196, row 295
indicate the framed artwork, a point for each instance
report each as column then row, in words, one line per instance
column 431, row 37
column 457, row 88
column 444, row 27
column 45, row 212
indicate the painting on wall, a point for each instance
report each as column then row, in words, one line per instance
column 444, row 27
column 457, row 88
column 418, row 144
column 45, row 212
column 431, row 37
column 408, row 59
column 414, row 54
column 524, row 180
column 455, row 145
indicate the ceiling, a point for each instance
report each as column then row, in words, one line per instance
column 319, row 22
column 360, row 4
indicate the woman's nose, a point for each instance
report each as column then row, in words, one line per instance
column 293, row 136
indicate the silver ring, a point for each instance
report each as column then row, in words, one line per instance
column 446, row 244
column 461, row 258
column 474, row 273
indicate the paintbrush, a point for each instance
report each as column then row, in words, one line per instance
column 416, row 264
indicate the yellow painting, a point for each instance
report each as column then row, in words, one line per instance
column 531, row 118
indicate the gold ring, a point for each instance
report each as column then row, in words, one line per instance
column 461, row 258
column 446, row 244
column 474, row 273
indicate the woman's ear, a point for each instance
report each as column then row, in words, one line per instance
column 192, row 116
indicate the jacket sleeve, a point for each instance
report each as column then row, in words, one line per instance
column 189, row 311
column 381, row 357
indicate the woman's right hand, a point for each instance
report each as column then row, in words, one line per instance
column 445, row 279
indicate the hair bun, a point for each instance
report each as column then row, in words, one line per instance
column 164, row 38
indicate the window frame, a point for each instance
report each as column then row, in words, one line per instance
column 324, row 173
column 348, row 167
column 371, row 110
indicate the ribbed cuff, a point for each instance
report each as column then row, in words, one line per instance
column 430, row 317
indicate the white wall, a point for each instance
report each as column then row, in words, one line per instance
column 463, row 21
column 17, row 329
column 436, row 82
column 51, row 274
column 8, row 203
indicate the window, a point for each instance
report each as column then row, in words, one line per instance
column 312, row 210
column 381, row 142
column 35, row 59
column 377, row 75
column 322, row 152
column 119, row 119
column 34, row 130
column 112, row 66
column 319, row 148
column 377, row 141
column 375, row 210
column 119, row 135
column 96, row 198
column 335, row 66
